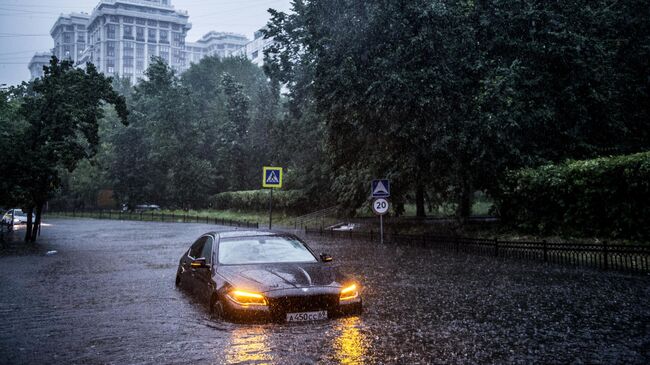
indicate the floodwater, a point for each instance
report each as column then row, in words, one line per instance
column 107, row 296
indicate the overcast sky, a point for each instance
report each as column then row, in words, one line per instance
column 25, row 25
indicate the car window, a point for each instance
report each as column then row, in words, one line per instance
column 197, row 248
column 255, row 250
column 207, row 250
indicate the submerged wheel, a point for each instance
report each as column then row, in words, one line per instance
column 216, row 308
column 178, row 281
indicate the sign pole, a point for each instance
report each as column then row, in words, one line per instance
column 380, row 207
column 272, row 179
column 271, row 209
column 381, row 228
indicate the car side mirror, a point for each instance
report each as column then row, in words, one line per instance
column 199, row 263
column 325, row 257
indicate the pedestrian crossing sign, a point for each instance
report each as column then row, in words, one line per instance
column 272, row 177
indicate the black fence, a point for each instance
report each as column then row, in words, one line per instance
column 631, row 258
column 150, row 216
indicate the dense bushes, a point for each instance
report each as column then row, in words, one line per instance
column 294, row 201
column 606, row 197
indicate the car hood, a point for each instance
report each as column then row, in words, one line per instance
column 270, row 277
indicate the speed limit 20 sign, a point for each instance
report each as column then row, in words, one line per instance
column 380, row 206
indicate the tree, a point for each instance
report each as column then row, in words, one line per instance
column 62, row 109
column 385, row 81
column 13, row 163
column 449, row 94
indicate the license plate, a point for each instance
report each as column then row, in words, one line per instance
column 306, row 316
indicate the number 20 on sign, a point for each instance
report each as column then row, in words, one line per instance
column 380, row 206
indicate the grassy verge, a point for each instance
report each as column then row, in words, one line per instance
column 226, row 217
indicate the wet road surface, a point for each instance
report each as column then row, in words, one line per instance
column 108, row 297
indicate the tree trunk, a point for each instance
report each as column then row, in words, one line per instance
column 419, row 201
column 465, row 203
column 37, row 224
column 28, row 230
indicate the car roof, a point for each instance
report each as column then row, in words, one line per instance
column 245, row 233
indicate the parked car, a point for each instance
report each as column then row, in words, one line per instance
column 140, row 208
column 265, row 275
column 19, row 217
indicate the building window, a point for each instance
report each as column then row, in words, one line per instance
column 67, row 37
column 152, row 22
column 164, row 53
column 128, row 32
column 139, row 34
column 175, row 27
column 152, row 36
column 127, row 20
column 114, row 19
column 110, row 66
column 164, row 36
column 110, row 31
column 110, row 49
column 152, row 50
column 81, row 37
column 69, row 28
column 163, row 25
column 177, row 39
column 67, row 51
column 139, row 50
column 140, row 21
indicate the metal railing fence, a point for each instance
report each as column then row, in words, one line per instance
column 605, row 256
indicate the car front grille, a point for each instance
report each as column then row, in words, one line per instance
column 292, row 304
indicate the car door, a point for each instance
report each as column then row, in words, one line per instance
column 203, row 275
column 188, row 271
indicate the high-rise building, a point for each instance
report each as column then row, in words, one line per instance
column 38, row 61
column 254, row 50
column 69, row 35
column 221, row 44
column 124, row 34
column 121, row 36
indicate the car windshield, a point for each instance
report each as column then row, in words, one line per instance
column 265, row 249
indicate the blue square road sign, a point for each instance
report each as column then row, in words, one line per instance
column 272, row 177
column 380, row 188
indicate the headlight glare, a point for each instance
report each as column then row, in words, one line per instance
column 243, row 297
column 349, row 292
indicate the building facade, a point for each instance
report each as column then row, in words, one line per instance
column 120, row 37
column 254, row 50
column 36, row 64
column 123, row 36
column 69, row 35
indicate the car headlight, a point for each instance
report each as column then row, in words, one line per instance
column 243, row 297
column 349, row 292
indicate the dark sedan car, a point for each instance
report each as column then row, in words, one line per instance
column 265, row 275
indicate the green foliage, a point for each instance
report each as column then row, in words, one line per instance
column 191, row 136
column 294, row 201
column 606, row 197
column 448, row 95
column 61, row 112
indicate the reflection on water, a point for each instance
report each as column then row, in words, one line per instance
column 351, row 344
column 249, row 345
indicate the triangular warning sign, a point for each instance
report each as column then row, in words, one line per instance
column 380, row 189
column 272, row 178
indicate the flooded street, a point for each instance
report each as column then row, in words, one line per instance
column 108, row 297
